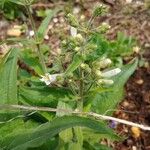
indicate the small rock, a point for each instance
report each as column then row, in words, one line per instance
column 129, row 142
column 50, row 27
column 140, row 81
column 135, row 132
column 134, row 148
column 76, row 10
column 125, row 104
column 46, row 37
column 146, row 64
column 55, row 20
column 62, row 20
column 14, row 32
column 128, row 1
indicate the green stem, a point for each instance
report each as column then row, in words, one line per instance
column 41, row 57
column 81, row 91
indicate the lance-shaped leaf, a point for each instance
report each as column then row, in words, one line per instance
column 44, row 25
column 8, row 78
column 102, row 102
column 46, row 131
column 43, row 96
column 77, row 60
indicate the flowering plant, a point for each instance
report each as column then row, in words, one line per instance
column 84, row 77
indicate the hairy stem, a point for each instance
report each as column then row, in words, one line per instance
column 41, row 57
column 81, row 90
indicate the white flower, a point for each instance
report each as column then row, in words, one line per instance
column 31, row 33
column 111, row 73
column 48, row 79
column 73, row 31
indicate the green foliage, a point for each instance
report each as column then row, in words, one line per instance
column 122, row 46
column 83, row 77
column 77, row 60
column 43, row 133
column 44, row 25
column 8, row 78
column 43, row 96
column 102, row 102
column 10, row 8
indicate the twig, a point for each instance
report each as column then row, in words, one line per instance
column 95, row 115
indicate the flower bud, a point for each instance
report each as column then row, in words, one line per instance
column 136, row 49
column 99, row 10
column 72, row 20
column 88, row 69
column 83, row 66
column 103, row 27
column 105, row 81
column 104, row 63
column 70, row 80
column 64, row 42
column 79, row 38
column 98, row 73
column 91, row 47
column 77, row 49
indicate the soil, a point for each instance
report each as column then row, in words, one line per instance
column 133, row 19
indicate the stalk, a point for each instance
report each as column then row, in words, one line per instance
column 40, row 55
column 81, row 90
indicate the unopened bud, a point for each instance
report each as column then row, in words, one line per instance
column 64, row 42
column 83, row 65
column 98, row 73
column 104, row 63
column 79, row 38
column 105, row 81
column 136, row 49
column 99, row 10
column 77, row 49
column 103, row 27
column 106, row 25
column 72, row 20
column 70, row 80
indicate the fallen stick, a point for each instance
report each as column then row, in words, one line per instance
column 95, row 115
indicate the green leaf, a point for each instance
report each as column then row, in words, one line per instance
column 77, row 60
column 11, row 129
column 50, row 129
column 44, row 25
column 97, row 146
column 18, row 2
column 72, row 133
column 8, row 78
column 43, row 96
column 108, row 100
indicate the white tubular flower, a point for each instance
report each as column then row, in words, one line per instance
column 48, row 79
column 73, row 31
column 111, row 73
column 104, row 63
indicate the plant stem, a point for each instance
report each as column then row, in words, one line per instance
column 81, row 88
column 41, row 57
